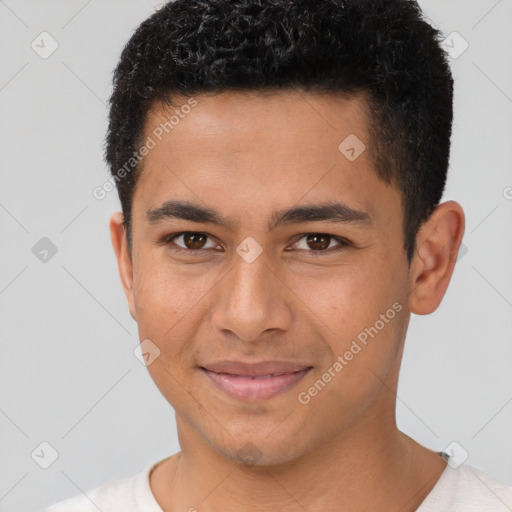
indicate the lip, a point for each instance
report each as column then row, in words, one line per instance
column 254, row 382
column 254, row 369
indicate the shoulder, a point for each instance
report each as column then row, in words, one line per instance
column 467, row 489
column 126, row 494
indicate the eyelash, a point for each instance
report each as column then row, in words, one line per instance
column 167, row 240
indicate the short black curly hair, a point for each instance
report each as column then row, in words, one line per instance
column 382, row 48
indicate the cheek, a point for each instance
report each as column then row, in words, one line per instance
column 339, row 300
column 165, row 293
column 170, row 302
column 357, row 313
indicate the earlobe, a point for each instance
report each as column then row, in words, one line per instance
column 437, row 246
column 124, row 262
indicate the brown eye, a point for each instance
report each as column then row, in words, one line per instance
column 194, row 240
column 191, row 241
column 318, row 241
column 321, row 243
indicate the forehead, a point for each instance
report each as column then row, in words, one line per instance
column 246, row 150
column 233, row 119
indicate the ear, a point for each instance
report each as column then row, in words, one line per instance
column 124, row 262
column 437, row 246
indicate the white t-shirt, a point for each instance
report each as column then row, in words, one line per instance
column 464, row 489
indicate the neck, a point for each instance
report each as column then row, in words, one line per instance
column 361, row 469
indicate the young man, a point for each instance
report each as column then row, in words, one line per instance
column 280, row 166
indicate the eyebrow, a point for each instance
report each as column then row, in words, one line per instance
column 332, row 211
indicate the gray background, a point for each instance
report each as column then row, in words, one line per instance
column 68, row 375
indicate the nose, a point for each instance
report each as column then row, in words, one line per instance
column 251, row 301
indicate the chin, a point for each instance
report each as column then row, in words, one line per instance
column 260, row 452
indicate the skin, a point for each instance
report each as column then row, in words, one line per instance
column 247, row 155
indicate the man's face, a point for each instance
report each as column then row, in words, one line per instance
column 255, row 290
